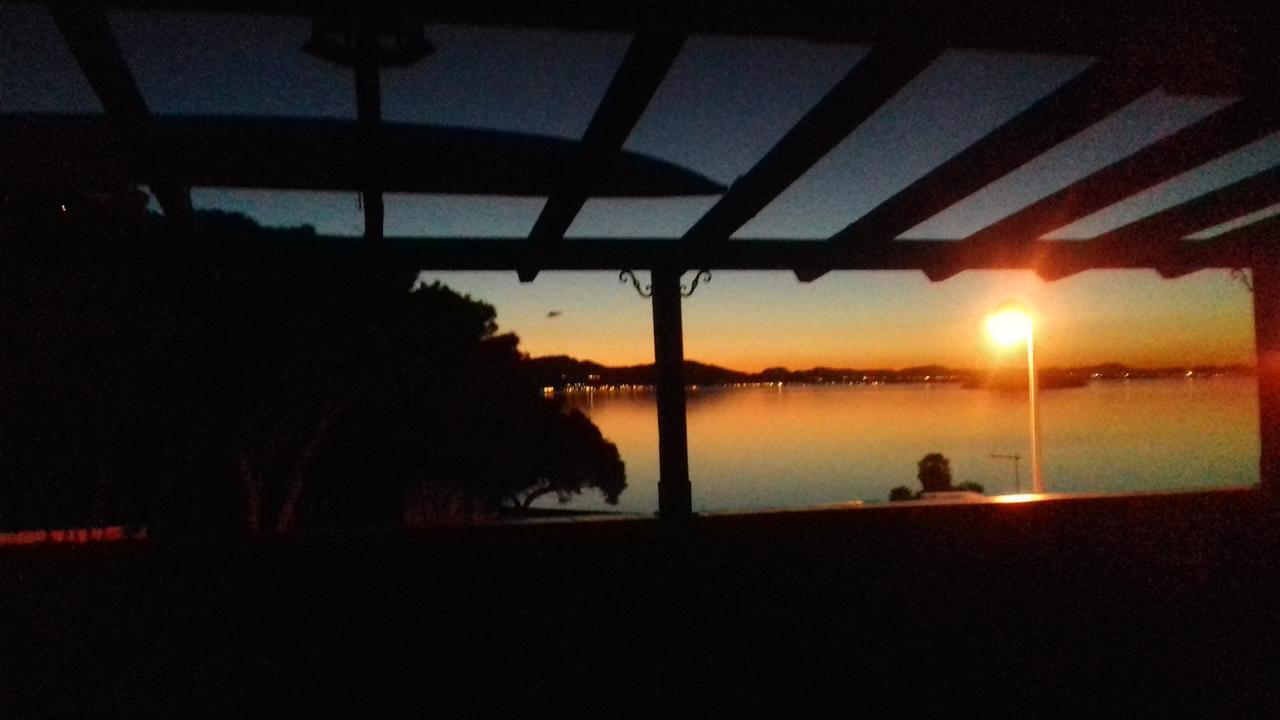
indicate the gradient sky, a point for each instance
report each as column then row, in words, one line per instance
column 725, row 102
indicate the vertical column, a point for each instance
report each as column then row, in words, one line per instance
column 674, row 492
column 1266, row 323
column 369, row 117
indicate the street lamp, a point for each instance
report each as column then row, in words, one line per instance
column 1008, row 325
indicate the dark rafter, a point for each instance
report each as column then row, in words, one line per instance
column 1042, row 26
column 1147, row 242
column 1206, row 140
column 88, row 34
column 1258, row 239
column 871, row 83
column 1045, row 257
column 643, row 68
column 1103, row 88
column 1214, row 208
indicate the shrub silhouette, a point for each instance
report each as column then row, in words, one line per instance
column 900, row 493
column 934, row 473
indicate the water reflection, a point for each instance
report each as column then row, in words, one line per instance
column 797, row 446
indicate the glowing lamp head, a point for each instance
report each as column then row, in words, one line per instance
column 1009, row 324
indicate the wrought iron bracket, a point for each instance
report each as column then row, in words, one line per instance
column 700, row 275
column 1243, row 276
column 646, row 291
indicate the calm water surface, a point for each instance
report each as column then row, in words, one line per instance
column 797, row 446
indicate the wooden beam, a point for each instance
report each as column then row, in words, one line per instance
column 1249, row 237
column 1213, row 208
column 867, row 87
column 937, row 257
column 1100, row 90
column 645, row 65
column 1042, row 26
column 1190, row 147
column 88, row 34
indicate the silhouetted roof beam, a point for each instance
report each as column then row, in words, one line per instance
column 1146, row 242
column 1240, row 198
column 1045, row 26
column 1206, row 140
column 1045, row 257
column 88, row 34
column 1103, row 88
column 643, row 68
column 1260, row 238
column 871, row 83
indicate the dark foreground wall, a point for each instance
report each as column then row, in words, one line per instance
column 1110, row 606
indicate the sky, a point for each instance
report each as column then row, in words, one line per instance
column 725, row 102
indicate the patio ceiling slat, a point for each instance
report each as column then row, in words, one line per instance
column 642, row 71
column 871, row 83
column 1097, row 92
column 1213, row 208
column 1220, row 133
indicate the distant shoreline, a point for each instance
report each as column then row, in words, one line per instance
column 561, row 372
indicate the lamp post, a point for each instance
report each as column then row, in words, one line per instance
column 1009, row 324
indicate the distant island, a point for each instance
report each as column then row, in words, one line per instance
column 561, row 371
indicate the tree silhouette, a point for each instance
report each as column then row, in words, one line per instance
column 971, row 486
column 934, row 473
column 900, row 493
column 242, row 379
column 353, row 391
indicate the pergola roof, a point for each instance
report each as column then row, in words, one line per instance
column 1229, row 49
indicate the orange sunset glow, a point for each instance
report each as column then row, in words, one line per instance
column 751, row 321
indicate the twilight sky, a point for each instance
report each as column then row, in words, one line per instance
column 726, row 101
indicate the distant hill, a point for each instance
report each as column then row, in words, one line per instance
column 563, row 371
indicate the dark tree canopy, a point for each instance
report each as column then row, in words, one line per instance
column 235, row 381
column 900, row 493
column 934, row 473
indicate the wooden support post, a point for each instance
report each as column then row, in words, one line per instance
column 369, row 116
column 675, row 500
column 1266, row 322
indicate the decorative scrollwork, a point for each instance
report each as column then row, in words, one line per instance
column 645, row 292
column 1243, row 277
column 694, row 285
